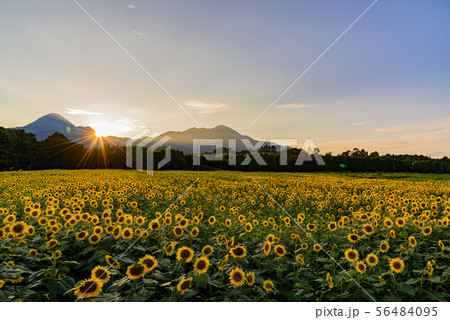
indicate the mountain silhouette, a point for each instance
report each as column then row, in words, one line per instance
column 182, row 140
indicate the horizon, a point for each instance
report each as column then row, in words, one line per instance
column 383, row 86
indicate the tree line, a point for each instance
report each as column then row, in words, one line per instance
column 20, row 150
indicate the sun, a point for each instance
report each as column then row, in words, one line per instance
column 104, row 129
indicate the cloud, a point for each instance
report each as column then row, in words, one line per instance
column 206, row 107
column 131, row 6
column 360, row 123
column 295, row 106
column 136, row 31
column 433, row 144
column 443, row 123
column 82, row 112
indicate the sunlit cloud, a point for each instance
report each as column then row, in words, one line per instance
column 295, row 106
column 360, row 123
column 137, row 32
column 131, row 6
column 206, row 107
column 442, row 123
column 82, row 112
column 434, row 144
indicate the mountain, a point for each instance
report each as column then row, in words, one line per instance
column 49, row 124
column 181, row 140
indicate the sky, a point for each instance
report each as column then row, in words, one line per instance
column 171, row 65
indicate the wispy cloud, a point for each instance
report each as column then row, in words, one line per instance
column 82, row 112
column 360, row 123
column 207, row 107
column 131, row 6
column 139, row 33
column 295, row 106
column 443, row 123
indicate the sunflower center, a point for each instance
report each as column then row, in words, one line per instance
column 89, row 287
column 237, row 277
column 396, row 265
column 148, row 262
column 201, row 265
column 185, row 254
column 18, row 228
column 101, row 274
column 238, row 251
column 136, row 270
column 185, row 285
column 351, row 255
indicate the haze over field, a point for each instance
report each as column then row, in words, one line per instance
column 382, row 86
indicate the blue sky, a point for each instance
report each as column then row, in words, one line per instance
column 383, row 86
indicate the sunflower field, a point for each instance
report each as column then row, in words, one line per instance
column 114, row 235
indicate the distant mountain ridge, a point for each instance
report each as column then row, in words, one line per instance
column 182, row 140
column 51, row 123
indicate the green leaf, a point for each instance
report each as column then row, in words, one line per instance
column 406, row 288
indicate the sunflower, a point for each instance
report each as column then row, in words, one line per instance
column 183, row 285
column 397, row 265
column 441, row 245
column 430, row 268
column 384, row 246
column 201, row 265
column 149, row 261
column 237, row 277
column 178, row 231
column 353, row 238
column 372, row 259
column 279, row 250
column 267, row 247
column 88, row 289
column 332, row 226
column 170, row 248
column 113, row 263
column 33, row 252
column 51, row 244
column 250, row 278
column 80, row 236
column 212, row 220
column 392, row 234
column 427, row 230
column 317, row 247
column 311, row 227
column 304, row 246
column 18, row 228
column 185, row 254
column 194, row 232
column 207, row 250
column 400, row 222
column 95, row 238
column 135, row 271
column 330, row 281
column 268, row 285
column 351, row 255
column 101, row 274
column 57, row 254
column 238, row 252
column 299, row 258
column 368, row 229
column 361, row 267
column 412, row 241
column 127, row 233
column 223, row 263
